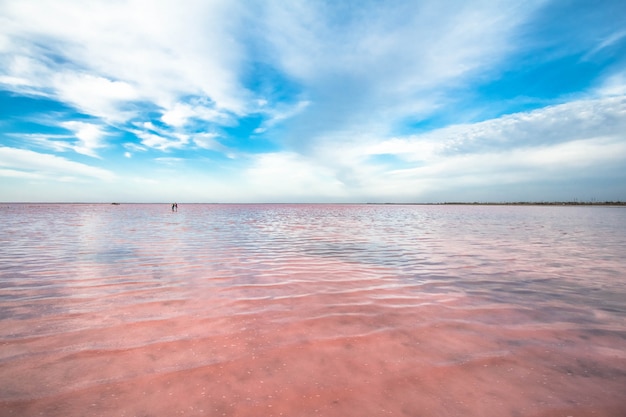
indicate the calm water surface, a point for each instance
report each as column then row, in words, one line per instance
column 312, row 310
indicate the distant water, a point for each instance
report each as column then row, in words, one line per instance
column 312, row 310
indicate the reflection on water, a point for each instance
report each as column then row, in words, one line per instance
column 302, row 310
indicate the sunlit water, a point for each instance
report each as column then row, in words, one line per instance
column 312, row 310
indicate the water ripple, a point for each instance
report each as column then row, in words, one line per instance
column 305, row 309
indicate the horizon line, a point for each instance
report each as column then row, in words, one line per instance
column 562, row 202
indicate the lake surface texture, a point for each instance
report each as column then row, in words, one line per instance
column 312, row 310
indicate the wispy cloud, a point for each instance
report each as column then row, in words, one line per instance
column 337, row 101
column 57, row 143
column 95, row 95
column 564, row 142
column 156, row 141
column 34, row 164
column 155, row 52
column 609, row 41
column 170, row 161
column 90, row 136
column 578, row 120
column 272, row 175
column 163, row 54
column 85, row 138
column 210, row 141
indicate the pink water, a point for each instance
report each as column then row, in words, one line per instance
column 312, row 310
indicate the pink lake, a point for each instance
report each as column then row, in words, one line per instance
column 312, row 310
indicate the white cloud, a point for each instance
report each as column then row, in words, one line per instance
column 152, row 140
column 577, row 140
column 282, row 112
column 607, row 42
column 358, row 74
column 274, row 175
column 134, row 147
column 89, row 135
column 99, row 55
column 180, row 114
column 163, row 139
column 613, row 85
column 170, row 161
column 331, row 84
column 407, row 148
column 564, row 162
column 57, row 143
column 95, row 95
column 24, row 75
column 401, row 47
column 86, row 138
column 13, row 173
column 209, row 141
column 367, row 71
column 32, row 163
column 568, row 122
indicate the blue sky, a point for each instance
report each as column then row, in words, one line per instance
column 312, row 101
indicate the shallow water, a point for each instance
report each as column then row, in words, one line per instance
column 302, row 310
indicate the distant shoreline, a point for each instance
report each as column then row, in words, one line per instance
column 519, row 203
column 447, row 203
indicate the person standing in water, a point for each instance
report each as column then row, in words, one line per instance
column 175, row 207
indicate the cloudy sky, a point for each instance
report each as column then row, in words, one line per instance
column 312, row 101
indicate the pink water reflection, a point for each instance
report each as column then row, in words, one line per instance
column 312, row 310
